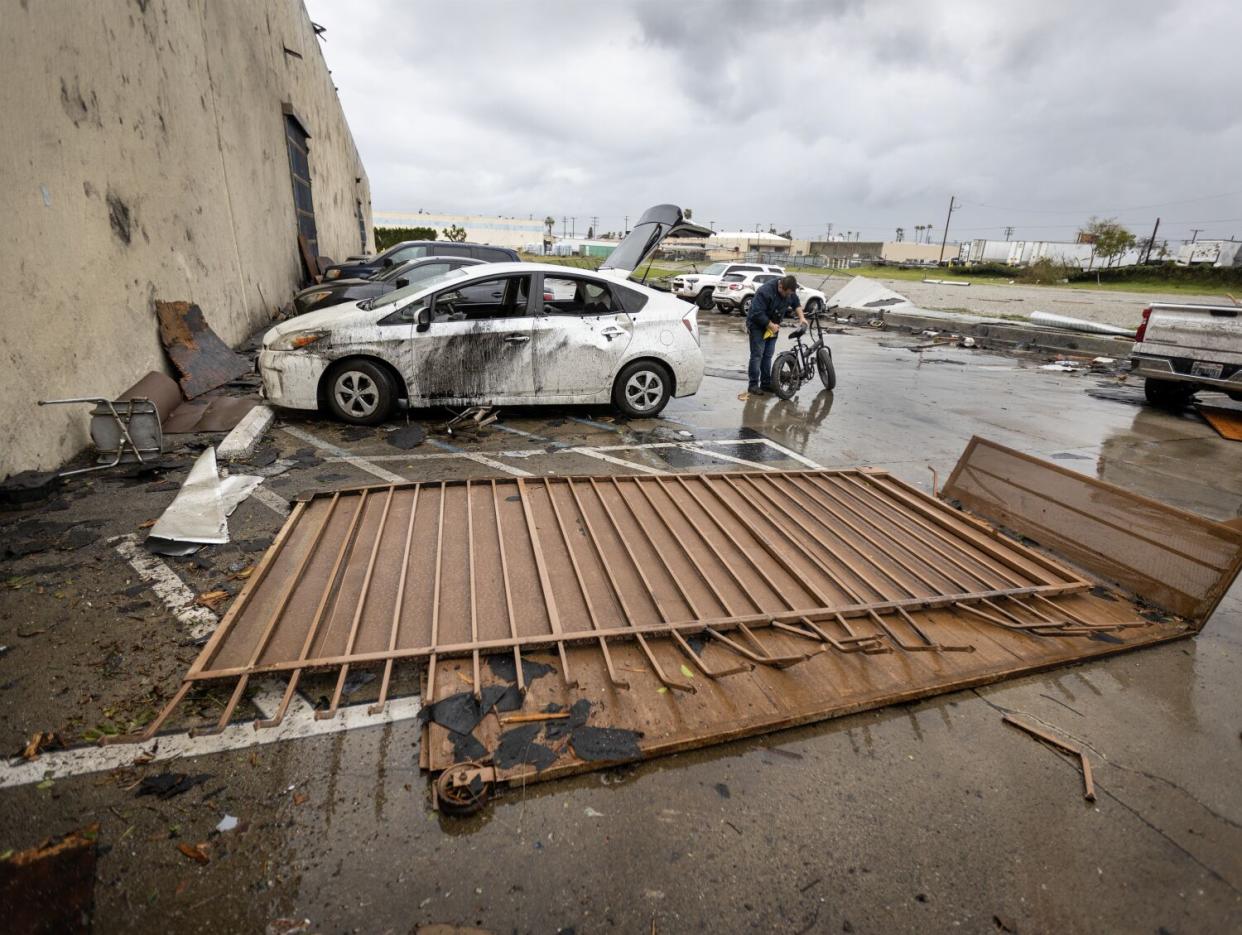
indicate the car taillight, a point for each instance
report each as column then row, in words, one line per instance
column 1142, row 329
column 549, row 297
column 735, row 287
column 691, row 321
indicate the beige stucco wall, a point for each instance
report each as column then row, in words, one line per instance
column 144, row 157
column 905, row 252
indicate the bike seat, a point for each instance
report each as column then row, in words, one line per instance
column 794, row 335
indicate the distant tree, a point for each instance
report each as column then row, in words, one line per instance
column 590, row 233
column 918, row 233
column 549, row 223
column 788, row 235
column 455, row 234
column 1109, row 240
column 901, row 234
column 385, row 237
column 772, row 229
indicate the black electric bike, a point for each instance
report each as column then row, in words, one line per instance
column 794, row 367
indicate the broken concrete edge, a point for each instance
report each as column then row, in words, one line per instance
column 1007, row 334
column 244, row 438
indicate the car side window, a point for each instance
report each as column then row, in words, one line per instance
column 409, row 253
column 764, row 277
column 564, row 295
column 493, row 255
column 454, row 250
column 503, row 297
column 747, row 269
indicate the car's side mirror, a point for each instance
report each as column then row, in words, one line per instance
column 423, row 319
column 402, row 282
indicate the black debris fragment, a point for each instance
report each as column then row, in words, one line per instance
column 1100, row 591
column 697, row 641
column 264, row 456
column 502, row 667
column 612, row 744
column 167, row 785
column 466, row 747
column 1104, row 638
column 722, row 790
column 578, row 715
column 255, row 545
column 518, row 746
column 306, row 457
column 411, row 436
column 28, row 487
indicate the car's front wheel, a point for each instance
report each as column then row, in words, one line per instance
column 642, row 389
column 705, row 300
column 360, row 392
column 746, row 304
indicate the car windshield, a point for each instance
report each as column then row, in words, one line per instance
column 415, row 287
column 715, row 269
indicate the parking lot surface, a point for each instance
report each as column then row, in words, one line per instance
column 925, row 817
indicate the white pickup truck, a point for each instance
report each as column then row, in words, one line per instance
column 1181, row 349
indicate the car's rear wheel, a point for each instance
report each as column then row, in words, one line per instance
column 360, row 392
column 642, row 389
column 746, row 304
column 827, row 372
column 785, row 379
column 814, row 307
column 705, row 300
column 1168, row 394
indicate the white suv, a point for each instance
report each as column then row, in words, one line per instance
column 736, row 290
column 697, row 287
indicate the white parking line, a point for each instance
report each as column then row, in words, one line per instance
column 298, row 722
column 633, row 465
column 792, row 455
column 271, row 499
column 343, row 455
column 167, row 586
column 724, row 457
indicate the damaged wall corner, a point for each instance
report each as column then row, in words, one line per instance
column 146, row 160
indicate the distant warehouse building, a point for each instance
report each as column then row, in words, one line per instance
column 155, row 151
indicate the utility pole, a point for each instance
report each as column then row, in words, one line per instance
column 626, row 229
column 594, row 225
column 1194, row 233
column 564, row 226
column 1008, row 232
column 828, row 236
column 945, row 239
column 573, row 228
column 1151, row 243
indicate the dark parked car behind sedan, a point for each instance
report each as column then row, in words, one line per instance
column 416, row 249
column 394, row 277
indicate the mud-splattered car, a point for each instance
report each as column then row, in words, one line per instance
column 498, row 334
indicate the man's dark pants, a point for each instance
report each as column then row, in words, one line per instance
column 759, row 370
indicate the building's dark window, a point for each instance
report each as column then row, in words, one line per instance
column 362, row 226
column 299, row 169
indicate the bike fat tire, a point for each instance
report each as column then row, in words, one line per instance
column 786, row 378
column 827, row 372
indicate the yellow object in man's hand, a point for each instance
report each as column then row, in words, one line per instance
column 770, row 332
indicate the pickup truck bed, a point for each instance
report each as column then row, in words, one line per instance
column 1181, row 349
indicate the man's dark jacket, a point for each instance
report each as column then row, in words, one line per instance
column 769, row 305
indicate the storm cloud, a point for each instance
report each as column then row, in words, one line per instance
column 866, row 116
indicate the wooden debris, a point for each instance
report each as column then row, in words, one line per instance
column 534, row 716
column 1088, row 781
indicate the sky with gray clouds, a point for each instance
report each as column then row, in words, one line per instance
column 799, row 114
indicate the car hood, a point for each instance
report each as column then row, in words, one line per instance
column 332, row 285
column 325, row 319
column 656, row 224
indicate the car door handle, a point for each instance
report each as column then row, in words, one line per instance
column 611, row 333
column 517, row 338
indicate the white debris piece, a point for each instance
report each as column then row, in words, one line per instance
column 198, row 514
column 865, row 294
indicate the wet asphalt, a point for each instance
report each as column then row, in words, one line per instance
column 931, row 816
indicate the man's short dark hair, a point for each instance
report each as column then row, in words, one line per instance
column 789, row 282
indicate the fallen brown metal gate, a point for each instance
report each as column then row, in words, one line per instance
column 428, row 571
column 689, row 609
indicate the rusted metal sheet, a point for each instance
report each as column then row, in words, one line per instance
column 1178, row 560
column 202, row 359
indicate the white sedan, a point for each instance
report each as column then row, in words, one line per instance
column 497, row 334
column 737, row 290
